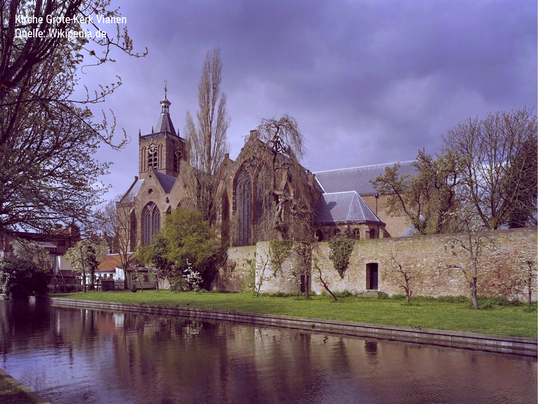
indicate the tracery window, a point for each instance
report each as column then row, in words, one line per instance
column 151, row 222
column 132, row 235
column 263, row 194
column 243, row 207
column 153, row 159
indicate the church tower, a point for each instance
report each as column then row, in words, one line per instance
column 162, row 149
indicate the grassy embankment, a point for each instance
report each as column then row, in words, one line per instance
column 424, row 313
column 10, row 394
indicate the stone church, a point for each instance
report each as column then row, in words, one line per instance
column 340, row 201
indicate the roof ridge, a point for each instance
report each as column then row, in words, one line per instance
column 340, row 192
column 369, row 165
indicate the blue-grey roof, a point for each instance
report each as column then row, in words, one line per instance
column 357, row 178
column 164, row 124
column 166, row 181
column 344, row 207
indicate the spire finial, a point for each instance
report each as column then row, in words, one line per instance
column 165, row 89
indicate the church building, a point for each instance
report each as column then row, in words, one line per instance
column 341, row 202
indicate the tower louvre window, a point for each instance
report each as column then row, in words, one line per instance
column 153, row 159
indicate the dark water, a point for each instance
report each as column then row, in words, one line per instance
column 84, row 356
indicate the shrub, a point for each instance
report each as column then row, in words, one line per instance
column 341, row 249
column 343, row 293
column 453, row 299
column 22, row 278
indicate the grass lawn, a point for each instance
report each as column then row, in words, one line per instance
column 500, row 320
column 10, row 394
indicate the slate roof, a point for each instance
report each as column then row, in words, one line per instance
column 344, row 207
column 357, row 178
column 166, row 181
column 164, row 124
column 129, row 196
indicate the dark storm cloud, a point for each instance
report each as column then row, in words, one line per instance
column 368, row 81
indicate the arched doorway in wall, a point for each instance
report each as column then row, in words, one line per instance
column 243, row 207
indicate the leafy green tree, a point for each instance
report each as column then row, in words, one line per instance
column 153, row 256
column 84, row 257
column 21, row 278
column 186, row 241
column 340, row 252
column 48, row 137
column 26, row 250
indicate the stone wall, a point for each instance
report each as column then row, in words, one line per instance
column 237, row 274
column 434, row 265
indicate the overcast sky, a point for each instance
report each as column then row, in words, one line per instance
column 368, row 81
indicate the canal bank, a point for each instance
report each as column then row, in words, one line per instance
column 13, row 391
column 466, row 340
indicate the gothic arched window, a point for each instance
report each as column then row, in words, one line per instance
column 153, row 159
column 151, row 222
column 263, row 194
column 132, row 235
column 243, row 207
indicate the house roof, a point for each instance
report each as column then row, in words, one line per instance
column 358, row 178
column 344, row 207
column 110, row 263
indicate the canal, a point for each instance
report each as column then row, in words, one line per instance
column 85, row 356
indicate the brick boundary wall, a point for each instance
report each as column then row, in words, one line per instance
column 431, row 261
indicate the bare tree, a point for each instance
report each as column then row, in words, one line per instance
column 406, row 277
column 47, row 137
column 207, row 140
column 426, row 198
column 467, row 249
column 317, row 267
column 497, row 157
column 116, row 226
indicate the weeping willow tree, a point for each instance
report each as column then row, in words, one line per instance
column 291, row 190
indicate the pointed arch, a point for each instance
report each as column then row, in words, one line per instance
column 243, row 207
column 132, row 233
column 263, row 199
column 153, row 159
column 151, row 222
column 144, row 159
column 160, row 158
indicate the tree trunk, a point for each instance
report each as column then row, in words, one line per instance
column 474, row 295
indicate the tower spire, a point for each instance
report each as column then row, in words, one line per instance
column 165, row 104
